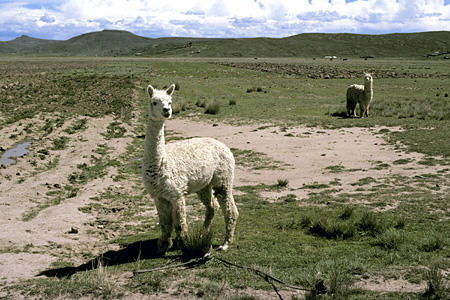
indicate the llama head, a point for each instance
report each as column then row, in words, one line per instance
column 160, row 107
column 368, row 77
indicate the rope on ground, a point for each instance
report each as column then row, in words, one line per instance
column 201, row 260
column 191, row 262
column 266, row 276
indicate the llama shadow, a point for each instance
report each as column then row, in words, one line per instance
column 341, row 115
column 131, row 253
column 344, row 115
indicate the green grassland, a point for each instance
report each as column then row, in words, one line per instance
column 326, row 240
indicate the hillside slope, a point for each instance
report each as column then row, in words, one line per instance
column 123, row 43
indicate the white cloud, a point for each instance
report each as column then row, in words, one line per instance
column 62, row 19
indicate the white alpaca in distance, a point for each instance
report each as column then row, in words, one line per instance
column 199, row 165
column 362, row 95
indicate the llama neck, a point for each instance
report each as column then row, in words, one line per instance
column 154, row 152
column 368, row 88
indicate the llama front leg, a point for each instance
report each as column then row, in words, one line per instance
column 164, row 208
column 362, row 110
column 367, row 110
column 230, row 213
column 179, row 220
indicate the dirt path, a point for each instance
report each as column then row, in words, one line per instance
column 304, row 156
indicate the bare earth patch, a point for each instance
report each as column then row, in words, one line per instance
column 29, row 246
column 309, row 156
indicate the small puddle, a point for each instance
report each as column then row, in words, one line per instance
column 18, row 150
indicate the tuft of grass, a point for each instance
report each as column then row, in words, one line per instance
column 98, row 283
column 331, row 228
column 255, row 160
column 60, row 143
column 200, row 103
column 180, row 106
column 232, row 102
column 315, row 186
column 372, row 224
column 282, row 183
column 432, row 242
column 346, row 213
column 391, row 239
column 402, row 161
column 76, row 126
column 255, row 89
column 212, row 108
column 364, row 181
column 288, row 198
column 197, row 242
column 339, row 279
column 114, row 130
column 436, row 287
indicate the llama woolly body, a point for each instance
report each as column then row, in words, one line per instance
column 198, row 165
column 360, row 94
column 188, row 167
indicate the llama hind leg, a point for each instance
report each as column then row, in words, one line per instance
column 207, row 199
column 165, row 222
column 230, row 212
column 351, row 105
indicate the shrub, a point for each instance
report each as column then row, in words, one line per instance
column 232, row 102
column 212, row 108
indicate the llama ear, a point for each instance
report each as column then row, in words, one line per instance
column 170, row 90
column 150, row 90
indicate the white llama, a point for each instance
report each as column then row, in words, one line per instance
column 361, row 94
column 197, row 165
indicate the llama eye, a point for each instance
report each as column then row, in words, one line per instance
column 154, row 103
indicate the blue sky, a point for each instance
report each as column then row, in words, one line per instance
column 63, row 19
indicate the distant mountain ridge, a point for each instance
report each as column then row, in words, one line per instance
column 124, row 43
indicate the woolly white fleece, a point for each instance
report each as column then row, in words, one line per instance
column 362, row 95
column 198, row 165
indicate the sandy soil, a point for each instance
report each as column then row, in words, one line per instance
column 306, row 153
column 28, row 247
